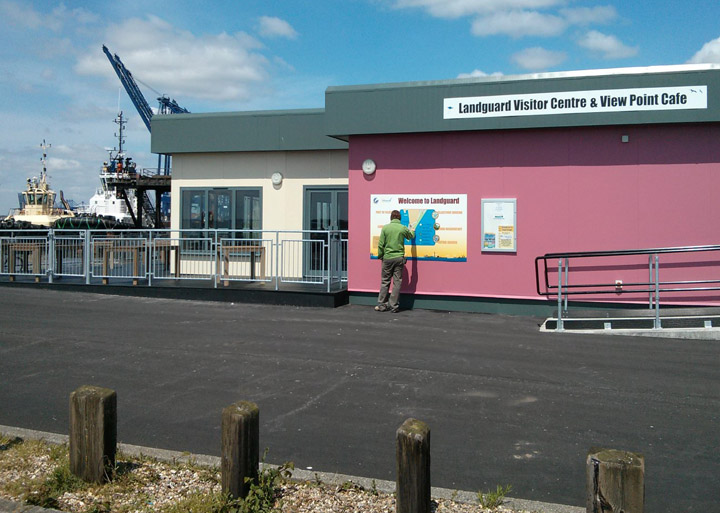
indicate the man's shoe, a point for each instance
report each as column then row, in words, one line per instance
column 395, row 310
column 381, row 308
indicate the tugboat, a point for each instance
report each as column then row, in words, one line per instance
column 106, row 202
column 37, row 206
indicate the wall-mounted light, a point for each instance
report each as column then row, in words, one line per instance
column 276, row 178
column 368, row 166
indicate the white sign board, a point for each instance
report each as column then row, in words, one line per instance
column 577, row 102
column 499, row 226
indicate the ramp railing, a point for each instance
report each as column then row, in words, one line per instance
column 690, row 273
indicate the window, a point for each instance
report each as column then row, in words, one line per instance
column 238, row 210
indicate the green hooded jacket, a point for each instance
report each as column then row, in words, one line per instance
column 392, row 240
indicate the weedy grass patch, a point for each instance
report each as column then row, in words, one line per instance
column 38, row 473
column 493, row 500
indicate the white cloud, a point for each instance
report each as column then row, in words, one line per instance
column 21, row 15
column 48, row 74
column 55, row 47
column 62, row 164
column 589, row 15
column 477, row 73
column 515, row 18
column 538, row 58
column 609, row 46
column 709, row 53
column 219, row 67
column 275, row 27
column 460, row 8
column 518, row 24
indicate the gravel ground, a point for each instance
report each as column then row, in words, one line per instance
column 147, row 485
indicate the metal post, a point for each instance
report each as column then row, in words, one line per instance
column 567, row 278
column 51, row 255
column 650, row 280
column 277, row 260
column 216, row 260
column 658, row 324
column 87, row 260
column 560, row 326
column 329, row 262
column 150, row 258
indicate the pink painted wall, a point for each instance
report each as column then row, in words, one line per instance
column 577, row 189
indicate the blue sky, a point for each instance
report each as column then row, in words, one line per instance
column 56, row 84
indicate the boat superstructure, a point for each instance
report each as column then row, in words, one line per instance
column 107, row 201
column 38, row 200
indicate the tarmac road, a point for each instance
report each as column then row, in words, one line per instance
column 505, row 403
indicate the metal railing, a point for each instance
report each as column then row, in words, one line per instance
column 25, row 255
column 315, row 258
column 685, row 262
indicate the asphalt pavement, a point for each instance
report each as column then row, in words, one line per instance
column 506, row 404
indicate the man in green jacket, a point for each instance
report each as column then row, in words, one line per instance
column 391, row 251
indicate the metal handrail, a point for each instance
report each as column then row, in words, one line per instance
column 653, row 286
column 670, row 249
column 592, row 254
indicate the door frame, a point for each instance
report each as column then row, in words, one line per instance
column 307, row 212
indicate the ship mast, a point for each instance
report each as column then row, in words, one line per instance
column 45, row 146
column 120, row 121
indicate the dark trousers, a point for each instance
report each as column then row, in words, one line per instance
column 392, row 269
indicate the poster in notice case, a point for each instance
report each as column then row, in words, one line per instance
column 499, row 228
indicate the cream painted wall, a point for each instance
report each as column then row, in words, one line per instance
column 283, row 204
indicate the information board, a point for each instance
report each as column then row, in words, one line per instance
column 438, row 220
column 499, row 226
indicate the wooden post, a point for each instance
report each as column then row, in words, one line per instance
column 413, row 467
column 240, row 447
column 93, row 433
column 615, row 481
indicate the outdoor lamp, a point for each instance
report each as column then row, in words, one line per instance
column 368, row 166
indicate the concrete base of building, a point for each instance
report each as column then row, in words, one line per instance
column 537, row 308
column 580, row 311
column 295, row 296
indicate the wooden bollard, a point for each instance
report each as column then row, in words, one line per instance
column 615, row 481
column 413, row 467
column 240, row 448
column 93, row 433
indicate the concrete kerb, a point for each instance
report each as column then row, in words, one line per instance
column 299, row 475
column 683, row 333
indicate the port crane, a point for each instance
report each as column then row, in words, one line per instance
column 166, row 106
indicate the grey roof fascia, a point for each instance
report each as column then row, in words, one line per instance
column 417, row 106
column 281, row 130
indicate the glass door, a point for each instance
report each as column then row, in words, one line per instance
column 326, row 208
column 219, row 209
